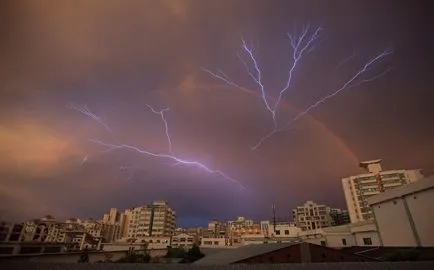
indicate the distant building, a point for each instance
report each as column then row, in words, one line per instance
column 124, row 223
column 339, row 216
column 279, row 230
column 404, row 216
column 155, row 220
column 216, row 229
column 214, row 242
column 311, row 216
column 10, row 232
column 183, row 240
column 359, row 188
column 242, row 228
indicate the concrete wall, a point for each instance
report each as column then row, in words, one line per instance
column 336, row 240
column 395, row 222
column 375, row 239
column 213, row 242
column 394, row 228
column 421, row 209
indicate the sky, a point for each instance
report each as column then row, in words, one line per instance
column 114, row 57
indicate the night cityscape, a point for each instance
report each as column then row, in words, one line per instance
column 216, row 133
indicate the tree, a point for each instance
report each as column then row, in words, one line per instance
column 193, row 255
column 175, row 253
column 134, row 257
column 140, row 256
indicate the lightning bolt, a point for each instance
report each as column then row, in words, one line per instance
column 301, row 45
column 85, row 110
column 84, row 159
column 347, row 85
column 346, row 60
column 166, row 124
column 170, row 155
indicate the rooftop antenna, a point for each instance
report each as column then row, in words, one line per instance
column 274, row 217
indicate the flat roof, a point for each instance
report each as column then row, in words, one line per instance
column 418, row 186
column 295, row 266
column 237, row 254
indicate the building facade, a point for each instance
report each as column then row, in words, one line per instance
column 10, row 232
column 183, row 240
column 279, row 230
column 240, row 229
column 154, row 220
column 359, row 188
column 339, row 216
column 312, row 216
column 404, row 216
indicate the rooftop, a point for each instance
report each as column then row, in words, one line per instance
column 238, row 254
column 374, row 161
column 311, row 266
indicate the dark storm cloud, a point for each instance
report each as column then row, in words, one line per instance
column 115, row 57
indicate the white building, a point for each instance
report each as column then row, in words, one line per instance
column 183, row 240
column 279, row 230
column 359, row 188
column 214, row 242
column 312, row 216
column 404, row 216
column 355, row 234
column 156, row 220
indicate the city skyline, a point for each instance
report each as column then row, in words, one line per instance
column 115, row 60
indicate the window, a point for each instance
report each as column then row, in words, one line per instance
column 286, row 232
column 344, row 241
column 278, row 232
column 367, row 241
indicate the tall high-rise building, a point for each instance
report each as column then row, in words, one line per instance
column 125, row 223
column 112, row 217
column 359, row 188
column 157, row 219
column 311, row 216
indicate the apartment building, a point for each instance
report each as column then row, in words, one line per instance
column 216, row 229
column 359, row 188
column 183, row 240
column 339, row 216
column 124, row 223
column 155, row 220
column 10, row 232
column 240, row 229
column 112, row 217
column 311, row 216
